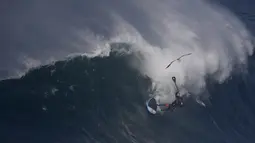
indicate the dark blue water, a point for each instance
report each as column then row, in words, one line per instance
column 101, row 100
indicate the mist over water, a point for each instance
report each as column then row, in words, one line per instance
column 220, row 44
column 163, row 30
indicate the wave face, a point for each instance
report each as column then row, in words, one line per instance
column 102, row 99
column 98, row 94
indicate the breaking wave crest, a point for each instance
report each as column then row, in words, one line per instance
column 220, row 44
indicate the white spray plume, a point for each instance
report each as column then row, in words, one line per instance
column 217, row 40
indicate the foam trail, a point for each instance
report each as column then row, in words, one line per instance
column 217, row 40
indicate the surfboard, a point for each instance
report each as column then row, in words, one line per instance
column 151, row 105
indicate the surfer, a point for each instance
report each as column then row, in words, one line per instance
column 178, row 102
column 153, row 107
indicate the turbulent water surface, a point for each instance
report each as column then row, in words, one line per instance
column 81, row 71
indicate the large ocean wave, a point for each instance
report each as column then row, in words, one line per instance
column 99, row 95
column 102, row 99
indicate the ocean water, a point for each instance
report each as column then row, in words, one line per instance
column 98, row 95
